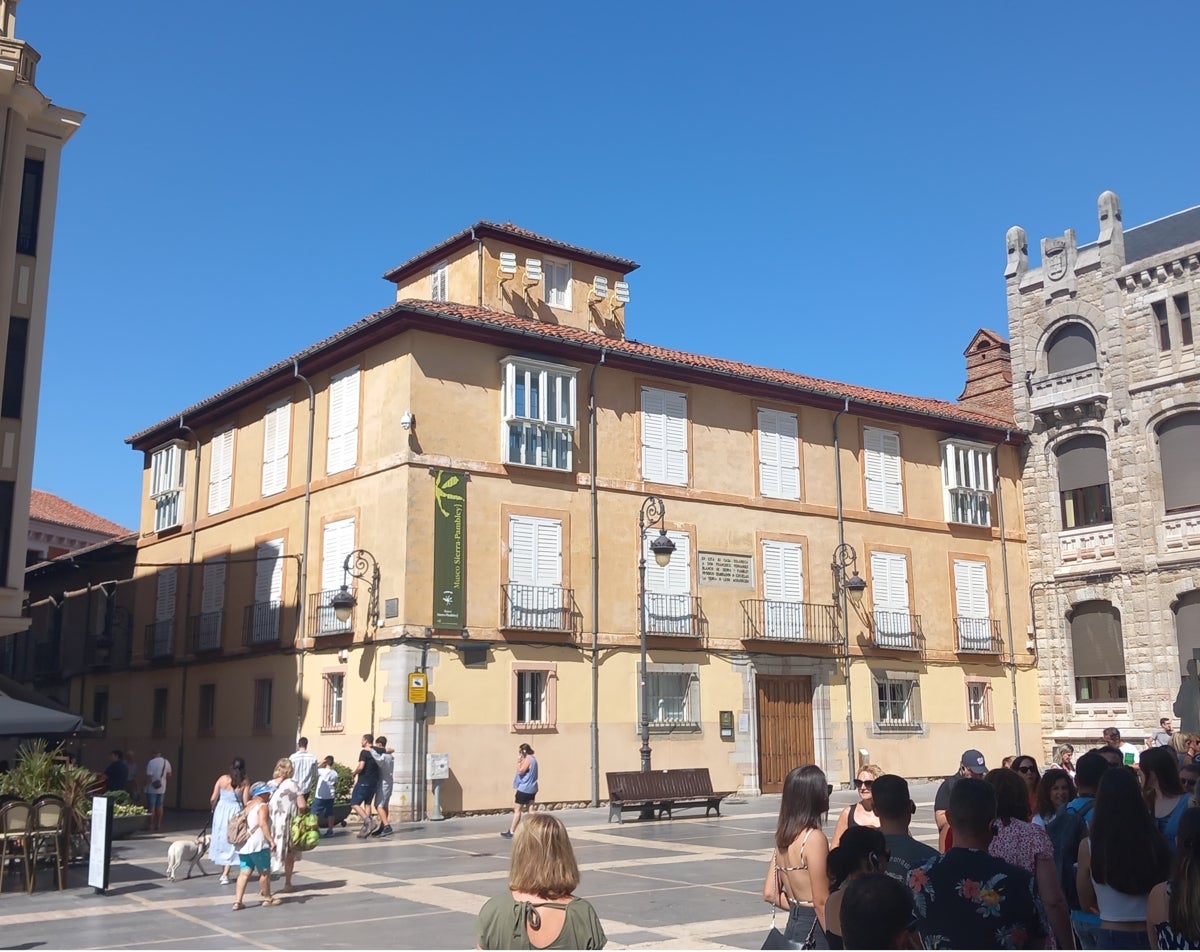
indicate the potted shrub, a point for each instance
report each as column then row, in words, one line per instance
column 341, row 792
column 128, row 817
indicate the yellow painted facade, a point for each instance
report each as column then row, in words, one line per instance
column 444, row 365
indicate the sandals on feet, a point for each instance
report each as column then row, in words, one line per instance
column 272, row 901
column 238, row 906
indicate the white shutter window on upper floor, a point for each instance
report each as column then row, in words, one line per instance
column 883, row 470
column 220, row 471
column 277, row 435
column 664, row 437
column 342, row 451
column 778, row 454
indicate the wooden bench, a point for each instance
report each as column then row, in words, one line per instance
column 660, row 791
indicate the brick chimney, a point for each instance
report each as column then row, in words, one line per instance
column 989, row 376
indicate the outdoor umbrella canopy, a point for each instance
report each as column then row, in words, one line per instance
column 18, row 718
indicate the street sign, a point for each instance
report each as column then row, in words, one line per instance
column 417, row 687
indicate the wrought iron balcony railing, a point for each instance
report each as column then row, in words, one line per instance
column 160, row 640
column 322, row 620
column 804, row 622
column 537, row 607
column 978, row 635
column 204, row 632
column 900, row 630
column 260, row 624
column 673, row 615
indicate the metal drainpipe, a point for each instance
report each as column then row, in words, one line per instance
column 837, row 470
column 1012, row 657
column 595, row 725
column 303, row 566
column 187, row 609
column 479, row 257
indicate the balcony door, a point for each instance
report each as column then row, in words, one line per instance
column 338, row 543
column 268, row 592
column 973, row 607
column 783, row 589
column 535, row 594
column 889, row 594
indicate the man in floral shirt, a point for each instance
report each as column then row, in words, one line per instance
column 968, row 899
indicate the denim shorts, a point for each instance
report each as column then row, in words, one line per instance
column 362, row 793
column 323, row 806
column 153, row 800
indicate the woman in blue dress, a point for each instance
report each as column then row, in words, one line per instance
column 525, row 783
column 228, row 796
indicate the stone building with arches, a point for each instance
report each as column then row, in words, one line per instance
column 1106, row 380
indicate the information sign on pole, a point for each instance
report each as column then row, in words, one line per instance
column 101, row 843
column 417, row 687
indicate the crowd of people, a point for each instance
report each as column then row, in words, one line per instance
column 1099, row 854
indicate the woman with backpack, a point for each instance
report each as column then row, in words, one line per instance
column 254, row 855
column 228, row 797
column 1173, row 910
column 1123, row 858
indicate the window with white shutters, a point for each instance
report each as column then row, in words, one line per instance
column 268, row 592
column 538, row 428
column 166, row 485
column 558, row 283
column 889, row 596
column 896, row 702
column 220, row 471
column 438, row 281
column 277, row 435
column 664, row 437
column 338, row 542
column 163, row 641
column 342, row 451
column 778, row 454
column 333, row 708
column 881, row 454
column 669, row 608
column 968, row 482
column 783, row 589
column 973, row 619
column 212, row 606
column 535, row 595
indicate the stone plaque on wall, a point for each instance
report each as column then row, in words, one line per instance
column 723, row 570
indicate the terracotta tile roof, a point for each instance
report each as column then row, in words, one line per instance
column 48, row 507
column 508, row 229
column 586, row 345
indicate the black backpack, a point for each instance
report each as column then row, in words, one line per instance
column 1067, row 829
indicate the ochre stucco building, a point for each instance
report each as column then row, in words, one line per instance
column 502, row 376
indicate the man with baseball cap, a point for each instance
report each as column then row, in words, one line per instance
column 972, row 764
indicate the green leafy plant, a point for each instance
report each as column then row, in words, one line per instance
column 345, row 782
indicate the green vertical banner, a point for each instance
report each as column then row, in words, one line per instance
column 449, row 549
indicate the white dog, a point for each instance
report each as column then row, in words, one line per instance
column 187, row 851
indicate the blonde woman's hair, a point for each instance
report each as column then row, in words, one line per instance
column 543, row 862
column 284, row 768
column 1179, row 742
column 875, row 772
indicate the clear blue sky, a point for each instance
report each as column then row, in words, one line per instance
column 822, row 188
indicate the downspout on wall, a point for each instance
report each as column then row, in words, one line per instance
column 187, row 611
column 837, row 469
column 303, row 567
column 595, row 725
column 1012, row 657
column 478, row 258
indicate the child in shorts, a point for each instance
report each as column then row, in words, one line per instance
column 323, row 800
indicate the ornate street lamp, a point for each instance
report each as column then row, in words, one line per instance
column 651, row 514
column 359, row 564
column 848, row 589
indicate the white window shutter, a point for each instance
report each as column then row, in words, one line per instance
column 522, row 544
column 654, row 436
column 220, row 476
column 268, row 580
column 882, row 469
column 342, row 452
column 675, row 578
column 789, row 455
column 970, row 589
column 675, row 424
column 212, row 598
column 549, row 553
column 783, row 571
column 277, row 433
column 889, row 581
column 338, row 542
column 164, row 608
column 772, row 568
column 769, row 481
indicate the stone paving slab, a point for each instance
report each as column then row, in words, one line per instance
column 687, row 883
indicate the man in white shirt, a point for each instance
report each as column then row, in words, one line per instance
column 157, row 771
column 304, row 767
column 1129, row 753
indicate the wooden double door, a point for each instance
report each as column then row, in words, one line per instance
column 785, row 727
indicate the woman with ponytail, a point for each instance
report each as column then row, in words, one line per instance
column 1173, row 909
column 862, row 850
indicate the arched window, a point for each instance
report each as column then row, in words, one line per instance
column 1179, row 457
column 1071, row 346
column 1099, row 656
column 1083, row 481
column 1187, row 629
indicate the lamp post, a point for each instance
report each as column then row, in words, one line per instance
column 848, row 590
column 359, row 564
column 650, row 515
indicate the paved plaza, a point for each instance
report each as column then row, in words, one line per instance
column 690, row 883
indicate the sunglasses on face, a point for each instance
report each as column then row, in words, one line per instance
column 1026, row 769
column 864, row 784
